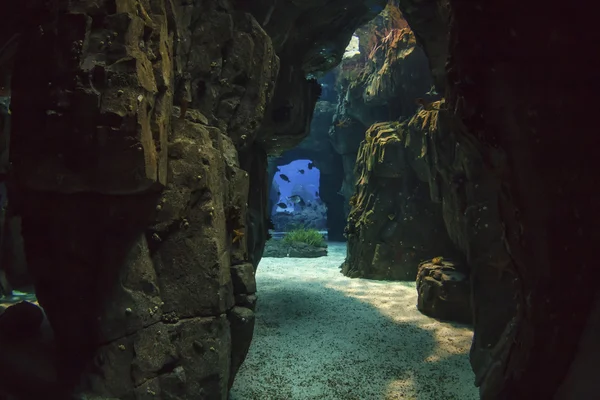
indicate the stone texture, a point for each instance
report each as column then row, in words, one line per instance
column 242, row 328
column 89, row 111
column 187, row 359
column 509, row 161
column 309, row 38
column 380, row 84
column 243, row 279
column 428, row 19
column 393, row 223
column 513, row 111
column 444, row 291
column 512, row 186
column 144, row 243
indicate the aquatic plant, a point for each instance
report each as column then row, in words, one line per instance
column 302, row 235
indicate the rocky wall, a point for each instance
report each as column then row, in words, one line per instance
column 135, row 215
column 514, row 186
column 380, row 84
column 394, row 223
column 144, row 222
column 520, row 105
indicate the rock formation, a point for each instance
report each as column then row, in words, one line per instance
column 135, row 222
column 318, row 148
column 140, row 173
column 512, row 186
column 394, row 222
column 380, row 84
column 444, row 291
column 508, row 91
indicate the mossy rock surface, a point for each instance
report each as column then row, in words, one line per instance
column 279, row 249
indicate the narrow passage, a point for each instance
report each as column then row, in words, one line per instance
column 320, row 335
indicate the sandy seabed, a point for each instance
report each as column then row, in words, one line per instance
column 320, row 335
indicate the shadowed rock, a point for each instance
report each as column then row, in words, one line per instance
column 444, row 292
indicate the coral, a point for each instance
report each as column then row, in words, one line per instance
column 437, row 260
column 308, row 236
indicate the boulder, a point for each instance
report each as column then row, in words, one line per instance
column 444, row 291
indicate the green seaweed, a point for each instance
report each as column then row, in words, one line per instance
column 303, row 235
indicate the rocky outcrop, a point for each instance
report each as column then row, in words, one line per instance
column 91, row 159
column 386, row 86
column 444, row 291
column 515, row 216
column 309, row 38
column 132, row 268
column 394, row 223
column 309, row 218
column 137, row 215
column 429, row 21
column 280, row 249
column 380, row 84
column 514, row 119
column 444, row 179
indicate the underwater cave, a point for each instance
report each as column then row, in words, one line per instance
column 158, row 238
column 295, row 199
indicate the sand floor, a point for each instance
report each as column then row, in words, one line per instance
column 320, row 335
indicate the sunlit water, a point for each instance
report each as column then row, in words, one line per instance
column 320, row 335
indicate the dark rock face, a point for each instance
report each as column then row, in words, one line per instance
column 429, row 20
column 394, row 223
column 380, row 84
column 309, row 38
column 508, row 90
column 141, row 220
column 241, row 317
column 132, row 268
column 444, row 292
column 21, row 321
column 512, row 186
column 132, row 220
column 385, row 87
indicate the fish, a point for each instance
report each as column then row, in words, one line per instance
column 310, row 165
column 317, row 194
column 432, row 91
column 295, row 199
column 301, row 171
column 284, row 177
column 281, row 205
column 278, row 193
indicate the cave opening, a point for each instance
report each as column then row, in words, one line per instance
column 392, row 224
column 295, row 198
column 449, row 186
